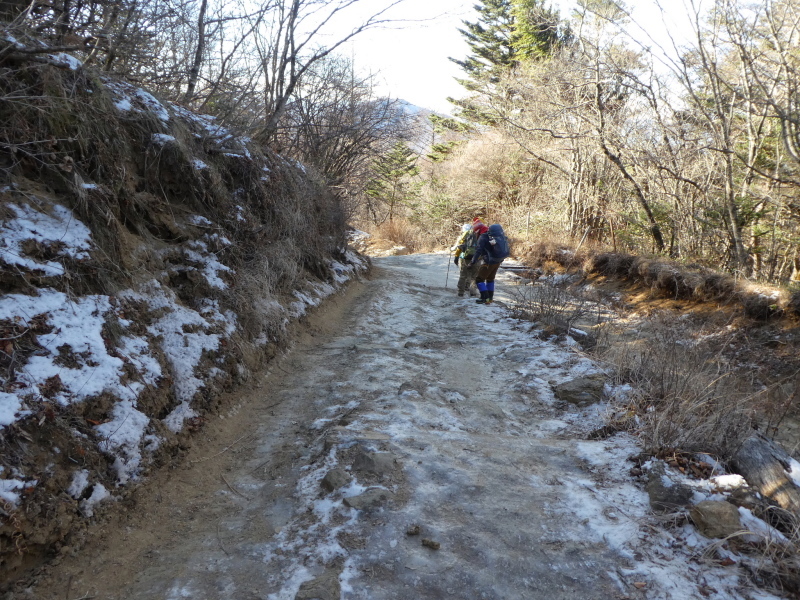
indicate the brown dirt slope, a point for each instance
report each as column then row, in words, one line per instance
column 197, row 247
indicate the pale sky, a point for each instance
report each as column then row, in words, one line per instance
column 412, row 59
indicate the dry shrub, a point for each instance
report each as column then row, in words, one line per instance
column 778, row 567
column 645, row 270
column 404, row 233
column 610, row 264
column 715, row 287
column 686, row 394
column 552, row 304
column 551, row 255
column 676, row 283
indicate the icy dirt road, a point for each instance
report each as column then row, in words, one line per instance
column 451, row 472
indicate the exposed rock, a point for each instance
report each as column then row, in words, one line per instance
column 433, row 545
column 372, row 498
column 666, row 495
column 379, row 463
column 751, row 500
column 716, row 519
column 763, row 509
column 334, row 479
column 324, row 587
column 580, row 391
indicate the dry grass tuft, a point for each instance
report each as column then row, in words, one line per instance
column 716, row 287
column 403, row 232
column 610, row 264
column 685, row 393
column 670, row 279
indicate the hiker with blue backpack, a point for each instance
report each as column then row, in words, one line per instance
column 492, row 249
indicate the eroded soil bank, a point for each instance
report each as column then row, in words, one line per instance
column 410, row 446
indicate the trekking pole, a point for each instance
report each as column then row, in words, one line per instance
column 448, row 270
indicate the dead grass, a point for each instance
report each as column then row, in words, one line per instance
column 403, row 232
column 554, row 305
column 685, row 391
column 669, row 279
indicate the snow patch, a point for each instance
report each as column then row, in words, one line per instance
column 60, row 231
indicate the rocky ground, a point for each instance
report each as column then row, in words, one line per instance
column 411, row 445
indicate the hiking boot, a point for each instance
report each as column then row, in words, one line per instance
column 482, row 301
column 460, row 294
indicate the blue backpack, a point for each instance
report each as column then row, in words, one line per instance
column 498, row 243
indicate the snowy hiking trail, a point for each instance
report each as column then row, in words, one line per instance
column 477, row 483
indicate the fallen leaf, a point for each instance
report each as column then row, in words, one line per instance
column 639, row 584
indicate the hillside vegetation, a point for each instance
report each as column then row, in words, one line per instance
column 150, row 259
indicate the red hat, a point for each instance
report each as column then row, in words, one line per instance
column 480, row 227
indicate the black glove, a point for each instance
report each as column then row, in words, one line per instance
column 455, row 260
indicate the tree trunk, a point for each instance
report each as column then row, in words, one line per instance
column 655, row 228
column 766, row 468
column 194, row 72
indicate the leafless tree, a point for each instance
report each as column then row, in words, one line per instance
column 336, row 123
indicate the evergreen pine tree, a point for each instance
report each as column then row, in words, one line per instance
column 538, row 30
column 446, row 126
column 506, row 33
column 392, row 183
column 489, row 40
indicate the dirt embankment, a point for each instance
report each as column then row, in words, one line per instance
column 151, row 258
column 760, row 324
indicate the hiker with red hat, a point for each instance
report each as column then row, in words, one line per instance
column 492, row 250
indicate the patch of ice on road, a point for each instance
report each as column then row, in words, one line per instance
column 303, row 543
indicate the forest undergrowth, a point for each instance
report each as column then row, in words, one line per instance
column 710, row 358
